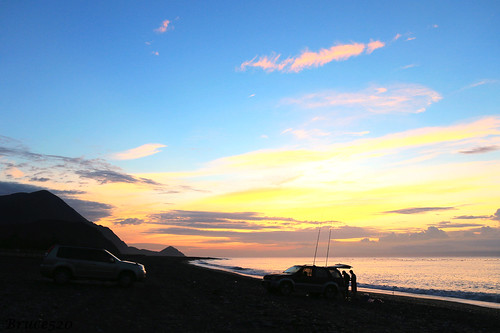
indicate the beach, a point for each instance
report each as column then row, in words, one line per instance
column 177, row 296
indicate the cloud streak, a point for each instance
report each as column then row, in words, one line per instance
column 139, row 152
column 403, row 98
column 62, row 169
column 418, row 210
column 308, row 59
column 480, row 150
column 163, row 27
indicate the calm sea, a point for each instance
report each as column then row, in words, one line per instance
column 475, row 279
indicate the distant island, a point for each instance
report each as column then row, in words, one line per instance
column 37, row 220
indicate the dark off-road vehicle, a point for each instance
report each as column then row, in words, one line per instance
column 309, row 279
column 64, row 263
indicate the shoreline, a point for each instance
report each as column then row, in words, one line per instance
column 491, row 305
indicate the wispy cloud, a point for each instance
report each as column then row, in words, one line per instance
column 496, row 216
column 480, row 150
column 307, row 134
column 480, row 83
column 129, row 221
column 63, row 169
column 429, row 233
column 199, row 222
column 373, row 45
column 404, row 98
column 163, row 27
column 418, row 210
column 409, row 66
column 308, row 59
column 471, row 217
column 447, row 224
column 147, row 149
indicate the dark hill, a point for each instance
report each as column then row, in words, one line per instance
column 22, row 208
column 40, row 219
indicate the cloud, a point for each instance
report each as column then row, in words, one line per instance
column 418, row 210
column 403, row 98
column 110, row 176
column 129, row 221
column 224, row 220
column 289, row 238
column 479, row 83
column 480, row 150
column 409, row 66
column 163, row 27
column 13, row 187
column 91, row 210
column 372, row 46
column 447, row 224
column 471, row 217
column 482, row 82
column 14, row 172
column 62, row 169
column 307, row 134
column 308, row 59
column 496, row 216
column 430, row 233
column 139, row 152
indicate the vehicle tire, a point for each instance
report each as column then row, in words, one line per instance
column 331, row 292
column 62, row 276
column 126, row 279
column 286, row 288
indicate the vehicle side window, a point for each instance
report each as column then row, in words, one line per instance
column 98, row 255
column 335, row 273
column 83, row 254
column 70, row 253
column 320, row 273
column 307, row 271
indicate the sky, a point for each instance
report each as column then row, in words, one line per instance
column 245, row 128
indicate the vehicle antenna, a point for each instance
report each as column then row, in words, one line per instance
column 317, row 241
column 328, row 248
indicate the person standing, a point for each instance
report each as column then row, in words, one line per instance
column 354, row 284
column 346, row 278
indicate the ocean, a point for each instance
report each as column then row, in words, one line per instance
column 468, row 280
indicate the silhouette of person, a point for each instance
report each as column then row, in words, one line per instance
column 346, row 284
column 354, row 284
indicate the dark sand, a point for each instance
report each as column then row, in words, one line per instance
column 178, row 297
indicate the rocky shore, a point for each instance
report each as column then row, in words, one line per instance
column 177, row 296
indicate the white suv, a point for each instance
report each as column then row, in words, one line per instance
column 63, row 263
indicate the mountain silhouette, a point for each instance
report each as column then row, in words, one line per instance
column 40, row 219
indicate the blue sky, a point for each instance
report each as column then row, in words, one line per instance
column 159, row 89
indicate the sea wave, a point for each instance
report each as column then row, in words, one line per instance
column 485, row 297
column 256, row 273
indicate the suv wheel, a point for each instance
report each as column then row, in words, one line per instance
column 330, row 292
column 62, row 276
column 285, row 288
column 126, row 279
